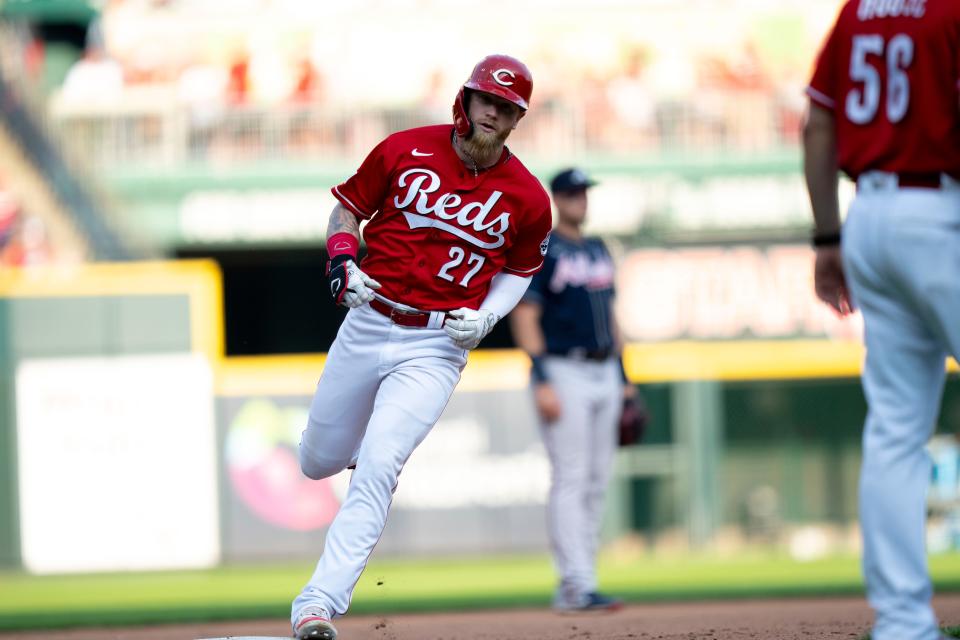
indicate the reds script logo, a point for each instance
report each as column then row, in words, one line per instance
column 419, row 183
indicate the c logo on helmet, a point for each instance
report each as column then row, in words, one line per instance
column 501, row 72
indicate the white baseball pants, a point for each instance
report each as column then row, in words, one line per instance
column 901, row 249
column 581, row 445
column 383, row 388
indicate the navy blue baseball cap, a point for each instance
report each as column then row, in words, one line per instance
column 570, row 180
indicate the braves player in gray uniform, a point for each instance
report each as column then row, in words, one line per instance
column 566, row 325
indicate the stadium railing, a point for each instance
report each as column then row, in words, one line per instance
column 149, row 126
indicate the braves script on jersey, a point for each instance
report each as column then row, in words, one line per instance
column 575, row 289
column 881, row 72
column 439, row 232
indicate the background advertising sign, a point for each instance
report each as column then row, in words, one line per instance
column 479, row 481
column 117, row 463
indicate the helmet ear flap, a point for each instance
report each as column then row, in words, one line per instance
column 461, row 121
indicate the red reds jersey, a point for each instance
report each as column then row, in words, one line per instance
column 889, row 71
column 437, row 231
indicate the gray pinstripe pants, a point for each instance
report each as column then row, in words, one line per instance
column 581, row 445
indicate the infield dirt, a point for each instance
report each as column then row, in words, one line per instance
column 796, row 619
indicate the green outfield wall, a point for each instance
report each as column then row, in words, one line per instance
column 9, row 537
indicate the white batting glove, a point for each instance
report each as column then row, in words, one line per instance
column 349, row 285
column 467, row 327
column 360, row 286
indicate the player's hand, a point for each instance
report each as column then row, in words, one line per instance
column 467, row 327
column 829, row 281
column 349, row 285
column 634, row 419
column 547, row 401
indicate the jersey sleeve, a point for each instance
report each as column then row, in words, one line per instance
column 824, row 84
column 526, row 256
column 537, row 291
column 364, row 191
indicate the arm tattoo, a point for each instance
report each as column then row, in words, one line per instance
column 342, row 221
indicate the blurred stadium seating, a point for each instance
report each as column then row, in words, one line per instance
column 138, row 106
column 56, row 193
column 164, row 82
column 271, row 85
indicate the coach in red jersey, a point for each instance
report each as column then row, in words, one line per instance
column 885, row 110
column 456, row 228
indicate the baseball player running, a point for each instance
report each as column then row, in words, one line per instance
column 885, row 109
column 565, row 323
column 457, row 227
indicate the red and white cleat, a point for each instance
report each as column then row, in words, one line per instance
column 313, row 623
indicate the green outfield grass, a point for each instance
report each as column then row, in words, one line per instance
column 392, row 586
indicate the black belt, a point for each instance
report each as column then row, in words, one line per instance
column 581, row 353
column 925, row 180
column 922, row 180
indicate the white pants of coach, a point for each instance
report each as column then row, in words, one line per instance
column 383, row 388
column 901, row 249
column 581, row 445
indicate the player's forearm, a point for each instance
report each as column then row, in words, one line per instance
column 505, row 292
column 343, row 221
column 525, row 326
column 821, row 170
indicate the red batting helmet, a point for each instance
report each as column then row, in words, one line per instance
column 500, row 75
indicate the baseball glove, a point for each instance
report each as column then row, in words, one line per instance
column 634, row 418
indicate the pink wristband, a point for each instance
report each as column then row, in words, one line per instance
column 342, row 243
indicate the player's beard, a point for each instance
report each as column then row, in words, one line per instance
column 483, row 147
